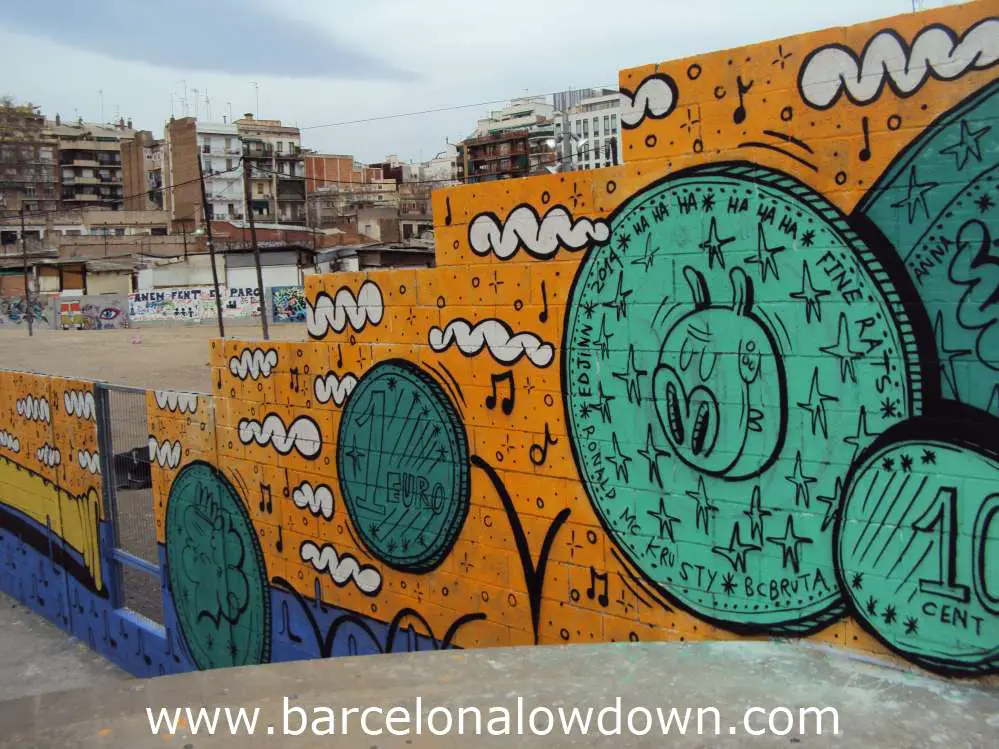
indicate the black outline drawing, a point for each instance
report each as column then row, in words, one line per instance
column 541, row 237
column 494, row 335
column 658, row 95
column 344, row 308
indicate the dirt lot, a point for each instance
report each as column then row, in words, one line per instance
column 169, row 357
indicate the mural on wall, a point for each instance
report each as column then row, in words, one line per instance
column 103, row 312
column 191, row 304
column 14, row 312
column 288, row 303
column 745, row 383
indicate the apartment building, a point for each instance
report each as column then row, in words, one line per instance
column 274, row 151
column 90, row 169
column 515, row 141
column 338, row 186
column 28, row 161
column 142, row 172
column 589, row 132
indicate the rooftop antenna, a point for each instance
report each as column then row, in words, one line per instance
column 208, row 106
column 228, row 109
column 256, row 91
column 197, row 103
column 100, row 94
column 183, row 99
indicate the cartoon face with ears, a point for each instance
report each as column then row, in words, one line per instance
column 720, row 387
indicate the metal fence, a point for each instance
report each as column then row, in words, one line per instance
column 123, row 433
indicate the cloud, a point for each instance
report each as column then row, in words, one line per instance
column 48, row 455
column 79, row 403
column 343, row 308
column 33, row 409
column 255, row 363
column 9, row 441
column 541, row 238
column 302, row 435
column 497, row 337
column 655, row 98
column 166, row 454
column 330, row 387
column 89, row 461
column 342, row 568
column 240, row 38
column 317, row 500
column 174, row 401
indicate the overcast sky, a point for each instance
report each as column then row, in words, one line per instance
column 325, row 61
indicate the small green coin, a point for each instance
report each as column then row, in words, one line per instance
column 402, row 462
column 216, row 571
column 918, row 549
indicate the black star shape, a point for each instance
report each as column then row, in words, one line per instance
column 765, row 256
column 355, row 455
column 816, row 405
column 889, row 615
column 888, row 464
column 984, row 203
column 374, row 529
column 651, row 452
column 623, row 240
column 391, row 382
column 736, row 550
column 708, row 202
column 906, row 463
column 756, row 513
column 947, row 356
column 916, row 196
column 714, row 243
column 390, row 546
column 619, row 460
column 604, row 406
column 808, row 238
column 630, row 377
column 728, row 583
column 832, row 504
column 800, row 481
column 810, row 295
column 889, row 408
column 704, row 506
column 872, row 606
column 589, row 308
column 648, row 259
column 782, row 56
column 791, row 543
column 603, row 340
column 665, row 521
column 911, row 625
column 843, row 351
column 929, row 458
column 210, row 641
column 576, row 195
column 857, row 583
column 620, row 301
column 862, row 437
column 967, row 145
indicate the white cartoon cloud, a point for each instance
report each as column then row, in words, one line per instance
column 48, row 455
column 331, row 387
column 9, row 441
column 253, row 363
column 302, row 435
column 176, row 402
column 496, row 336
column 342, row 568
column 336, row 312
column 654, row 98
column 89, row 461
column 539, row 237
column 79, row 403
column 317, row 500
column 33, row 409
column 165, row 454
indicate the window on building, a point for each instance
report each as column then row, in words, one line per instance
column 228, row 143
column 280, row 147
column 606, row 124
column 207, row 166
column 230, row 209
column 614, row 123
column 596, row 125
column 229, row 165
column 260, row 189
column 586, row 128
column 206, row 148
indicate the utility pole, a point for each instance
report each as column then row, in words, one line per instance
column 256, row 249
column 27, row 285
column 211, row 248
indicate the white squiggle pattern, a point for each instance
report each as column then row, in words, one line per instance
column 342, row 568
column 331, row 387
column 33, row 409
column 936, row 50
column 655, row 98
column 344, row 308
column 540, row 238
column 174, row 401
column 89, row 461
column 496, row 335
column 48, row 455
column 79, row 403
column 9, row 441
column 165, row 455
column 254, row 363
column 302, row 435
column 317, row 500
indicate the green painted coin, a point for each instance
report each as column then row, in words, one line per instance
column 918, row 547
column 402, row 460
column 216, row 571
column 729, row 351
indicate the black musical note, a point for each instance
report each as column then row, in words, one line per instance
column 507, row 404
column 266, row 499
column 339, row 356
column 319, row 596
column 543, row 317
column 865, row 152
column 107, row 633
column 286, row 624
column 142, row 650
column 295, row 377
column 740, row 111
column 280, row 541
column 447, row 216
column 603, row 599
column 541, row 451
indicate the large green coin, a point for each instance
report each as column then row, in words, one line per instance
column 918, row 548
column 402, row 460
column 216, row 571
column 729, row 351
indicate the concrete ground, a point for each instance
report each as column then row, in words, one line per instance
column 877, row 706
column 172, row 357
column 38, row 658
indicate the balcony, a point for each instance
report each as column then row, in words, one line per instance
column 296, row 177
column 82, row 162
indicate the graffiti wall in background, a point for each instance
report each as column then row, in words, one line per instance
column 13, row 311
column 288, row 303
column 746, row 384
column 102, row 312
column 191, row 304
